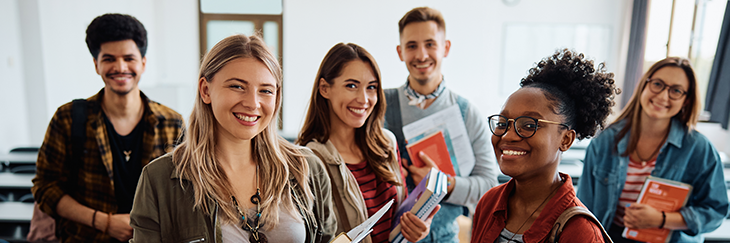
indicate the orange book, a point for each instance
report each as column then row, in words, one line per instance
column 664, row 195
column 434, row 146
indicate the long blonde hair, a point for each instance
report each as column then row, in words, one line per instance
column 371, row 140
column 689, row 115
column 278, row 159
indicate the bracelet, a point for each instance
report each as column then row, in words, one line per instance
column 108, row 220
column 448, row 181
column 664, row 220
column 93, row 219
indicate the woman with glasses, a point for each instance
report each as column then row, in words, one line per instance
column 563, row 98
column 655, row 135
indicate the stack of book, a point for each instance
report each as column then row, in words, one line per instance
column 664, row 195
column 421, row 201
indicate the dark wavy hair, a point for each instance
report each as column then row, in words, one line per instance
column 576, row 90
column 115, row 27
column 371, row 140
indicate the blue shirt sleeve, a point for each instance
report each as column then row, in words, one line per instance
column 708, row 204
column 586, row 182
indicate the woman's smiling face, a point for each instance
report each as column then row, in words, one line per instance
column 660, row 106
column 242, row 96
column 526, row 157
column 352, row 95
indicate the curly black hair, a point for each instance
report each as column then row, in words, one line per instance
column 115, row 27
column 581, row 93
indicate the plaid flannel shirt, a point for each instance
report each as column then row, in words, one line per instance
column 95, row 185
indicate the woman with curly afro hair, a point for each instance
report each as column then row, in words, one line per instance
column 654, row 135
column 563, row 98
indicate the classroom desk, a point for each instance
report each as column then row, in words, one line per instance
column 16, row 180
column 18, row 158
column 16, row 212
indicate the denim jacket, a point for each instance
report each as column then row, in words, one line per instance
column 686, row 156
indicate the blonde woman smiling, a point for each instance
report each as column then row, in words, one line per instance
column 233, row 179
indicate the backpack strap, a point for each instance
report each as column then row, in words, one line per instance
column 78, row 138
column 394, row 120
column 567, row 215
column 463, row 105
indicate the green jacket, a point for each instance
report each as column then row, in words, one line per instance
column 163, row 211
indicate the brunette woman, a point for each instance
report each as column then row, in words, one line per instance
column 344, row 127
column 655, row 135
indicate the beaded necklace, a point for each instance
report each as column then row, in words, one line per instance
column 256, row 236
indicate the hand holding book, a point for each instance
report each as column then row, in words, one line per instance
column 415, row 229
column 642, row 216
column 656, row 195
column 418, row 172
column 421, row 203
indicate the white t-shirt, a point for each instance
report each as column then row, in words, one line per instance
column 289, row 229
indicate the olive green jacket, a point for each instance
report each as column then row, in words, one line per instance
column 163, row 211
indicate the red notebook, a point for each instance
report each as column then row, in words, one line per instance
column 664, row 195
column 435, row 147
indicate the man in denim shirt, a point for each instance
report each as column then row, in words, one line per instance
column 423, row 46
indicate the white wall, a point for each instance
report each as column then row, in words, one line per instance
column 55, row 66
column 44, row 61
column 14, row 124
column 475, row 28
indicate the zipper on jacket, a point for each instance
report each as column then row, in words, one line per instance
column 196, row 241
column 215, row 223
column 305, row 216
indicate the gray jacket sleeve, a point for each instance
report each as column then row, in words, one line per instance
column 469, row 189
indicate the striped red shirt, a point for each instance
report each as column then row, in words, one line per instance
column 376, row 194
column 635, row 177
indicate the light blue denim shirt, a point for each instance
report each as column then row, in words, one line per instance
column 686, row 156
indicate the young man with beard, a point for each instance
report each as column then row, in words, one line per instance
column 90, row 192
column 423, row 46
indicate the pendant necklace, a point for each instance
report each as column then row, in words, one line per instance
column 256, row 236
column 127, row 154
column 643, row 161
column 533, row 212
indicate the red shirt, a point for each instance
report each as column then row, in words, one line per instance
column 376, row 193
column 491, row 216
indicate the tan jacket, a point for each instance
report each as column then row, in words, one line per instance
column 163, row 211
column 342, row 180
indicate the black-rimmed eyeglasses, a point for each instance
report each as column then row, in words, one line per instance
column 525, row 126
column 657, row 86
